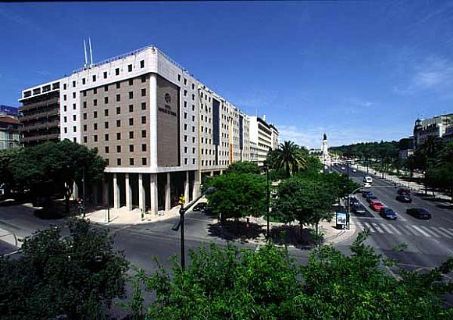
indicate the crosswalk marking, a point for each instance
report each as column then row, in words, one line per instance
column 408, row 230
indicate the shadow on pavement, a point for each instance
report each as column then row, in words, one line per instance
column 291, row 235
column 235, row 230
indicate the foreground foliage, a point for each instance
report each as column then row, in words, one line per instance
column 229, row 283
column 76, row 275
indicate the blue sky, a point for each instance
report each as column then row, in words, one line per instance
column 359, row 71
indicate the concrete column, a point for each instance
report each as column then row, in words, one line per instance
column 153, row 191
column 105, row 192
column 186, row 189
column 141, row 192
column 196, row 185
column 168, row 193
column 116, row 192
column 153, row 120
column 221, row 171
column 211, row 173
column 75, row 191
column 128, row 192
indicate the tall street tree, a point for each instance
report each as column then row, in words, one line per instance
column 290, row 157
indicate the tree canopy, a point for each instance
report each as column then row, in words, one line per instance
column 243, row 167
column 288, row 156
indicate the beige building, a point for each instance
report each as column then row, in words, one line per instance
column 159, row 128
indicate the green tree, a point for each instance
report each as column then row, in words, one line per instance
column 440, row 171
column 289, row 156
column 243, row 167
column 228, row 283
column 7, row 158
column 54, row 166
column 237, row 195
column 76, row 275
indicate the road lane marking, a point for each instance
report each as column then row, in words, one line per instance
column 386, row 228
column 443, row 233
column 429, row 231
column 421, row 231
column 411, row 231
column 369, row 227
column 447, row 230
column 394, row 229
column 378, row 228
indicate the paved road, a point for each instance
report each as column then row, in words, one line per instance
column 429, row 242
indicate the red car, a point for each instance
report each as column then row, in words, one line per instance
column 376, row 205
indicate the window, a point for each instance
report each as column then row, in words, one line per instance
column 193, row 107
column 185, row 93
column 185, row 126
column 185, row 81
column 106, row 137
column 95, row 102
column 185, row 149
column 65, row 119
column 118, row 85
column 106, row 124
column 95, row 126
column 193, row 97
column 118, row 97
column 118, row 161
column 74, row 95
column 193, row 118
column 131, row 82
column 144, row 161
column 73, row 84
column 131, row 148
column 185, row 160
column 185, row 115
column 118, row 149
column 129, row 68
column 118, row 136
column 85, row 139
column 85, row 127
column 118, row 110
column 106, row 112
column 83, row 80
column 94, row 78
column 107, row 149
column 64, row 97
column 179, row 77
column 144, row 147
column 143, row 119
column 143, row 133
column 117, row 71
column 95, row 91
column 131, row 94
column 185, row 138
column 73, row 106
column 64, row 86
column 84, row 104
column 185, row 104
column 131, row 134
column 193, row 139
column 74, row 118
column 143, row 92
column 118, row 123
column 131, row 108
column 131, row 161
column 193, row 161
column 105, row 75
column 142, row 64
column 193, row 86
column 65, row 130
column 65, row 108
column 143, row 105
column 95, row 138
column 106, row 88
column 106, row 100
column 131, row 121
column 193, row 150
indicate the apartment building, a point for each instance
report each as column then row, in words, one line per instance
column 9, row 132
column 432, row 127
column 263, row 137
column 159, row 128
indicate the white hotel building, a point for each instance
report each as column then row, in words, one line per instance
column 159, row 128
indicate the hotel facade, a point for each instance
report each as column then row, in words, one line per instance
column 160, row 130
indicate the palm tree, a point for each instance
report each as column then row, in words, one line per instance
column 290, row 157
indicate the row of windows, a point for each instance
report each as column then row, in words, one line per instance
column 118, row 109
column 118, row 136
column 211, row 162
column 185, row 82
column 185, row 106
column 118, row 97
column 131, row 161
column 105, row 74
column 131, row 148
column 106, row 123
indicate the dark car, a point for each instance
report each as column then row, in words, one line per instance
column 359, row 209
column 370, row 198
column 402, row 191
column 366, row 193
column 353, row 201
column 199, row 206
column 207, row 211
column 388, row 213
column 419, row 213
column 404, row 198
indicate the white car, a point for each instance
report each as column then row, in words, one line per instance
column 368, row 179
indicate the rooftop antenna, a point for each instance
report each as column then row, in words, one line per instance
column 91, row 52
column 85, row 52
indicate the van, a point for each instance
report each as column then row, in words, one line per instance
column 368, row 179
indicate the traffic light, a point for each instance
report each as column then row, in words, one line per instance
column 182, row 200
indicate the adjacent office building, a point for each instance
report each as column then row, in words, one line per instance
column 9, row 132
column 433, row 127
column 264, row 137
column 159, row 128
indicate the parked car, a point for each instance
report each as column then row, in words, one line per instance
column 420, row 213
column 207, row 211
column 404, row 198
column 388, row 213
column 353, row 201
column 368, row 179
column 359, row 209
column 199, row 206
column 402, row 191
column 371, row 197
column 376, row 205
column 365, row 193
